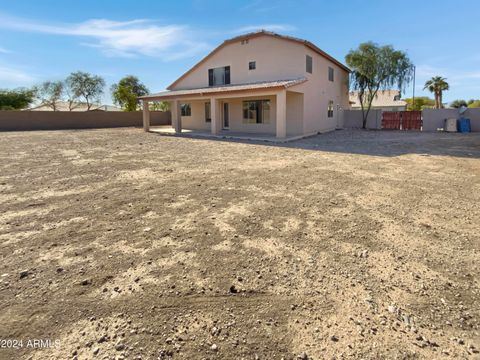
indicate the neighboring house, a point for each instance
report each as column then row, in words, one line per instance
column 261, row 83
column 386, row 100
column 64, row 106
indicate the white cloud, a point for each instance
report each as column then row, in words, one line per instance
column 14, row 76
column 427, row 71
column 4, row 51
column 463, row 83
column 121, row 38
column 269, row 27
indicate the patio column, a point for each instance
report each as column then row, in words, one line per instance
column 146, row 116
column 215, row 115
column 176, row 116
column 282, row 114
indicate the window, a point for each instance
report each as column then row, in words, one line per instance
column 309, row 64
column 330, row 109
column 252, row 65
column 219, row 76
column 256, row 112
column 186, row 110
column 330, row 73
column 208, row 113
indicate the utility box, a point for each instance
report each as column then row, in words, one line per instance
column 450, row 125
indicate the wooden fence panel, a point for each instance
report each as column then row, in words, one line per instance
column 404, row 120
column 411, row 120
column 391, row 120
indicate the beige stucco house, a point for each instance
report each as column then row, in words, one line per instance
column 386, row 100
column 259, row 83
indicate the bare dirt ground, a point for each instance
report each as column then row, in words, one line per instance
column 126, row 245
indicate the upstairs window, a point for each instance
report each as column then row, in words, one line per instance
column 186, row 110
column 219, row 76
column 252, row 65
column 309, row 64
column 330, row 109
column 330, row 73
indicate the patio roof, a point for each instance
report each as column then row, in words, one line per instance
column 225, row 89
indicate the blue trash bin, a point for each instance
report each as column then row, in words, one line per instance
column 463, row 125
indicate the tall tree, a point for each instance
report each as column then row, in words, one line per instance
column 70, row 96
column 456, row 104
column 50, row 93
column 17, row 99
column 474, row 104
column 160, row 106
column 87, row 86
column 377, row 68
column 421, row 102
column 126, row 92
column 437, row 85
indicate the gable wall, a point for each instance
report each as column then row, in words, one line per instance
column 275, row 59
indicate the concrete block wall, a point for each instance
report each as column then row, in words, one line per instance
column 354, row 119
column 433, row 119
column 58, row 120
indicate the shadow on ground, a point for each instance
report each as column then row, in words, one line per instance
column 380, row 143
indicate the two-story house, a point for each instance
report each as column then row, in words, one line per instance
column 261, row 83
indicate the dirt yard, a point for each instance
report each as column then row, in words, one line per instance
column 118, row 244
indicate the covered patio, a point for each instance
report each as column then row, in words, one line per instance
column 257, row 111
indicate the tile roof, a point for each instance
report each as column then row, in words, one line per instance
column 77, row 106
column 227, row 88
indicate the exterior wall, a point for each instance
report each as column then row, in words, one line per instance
column 197, row 120
column 294, row 113
column 282, row 59
column 236, row 116
column 318, row 91
column 56, row 120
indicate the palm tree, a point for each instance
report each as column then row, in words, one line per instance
column 437, row 85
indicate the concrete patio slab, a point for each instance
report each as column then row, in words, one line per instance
column 225, row 134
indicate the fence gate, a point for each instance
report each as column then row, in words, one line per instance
column 402, row 120
column 391, row 120
column 411, row 120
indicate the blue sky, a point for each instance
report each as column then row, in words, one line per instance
column 159, row 40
